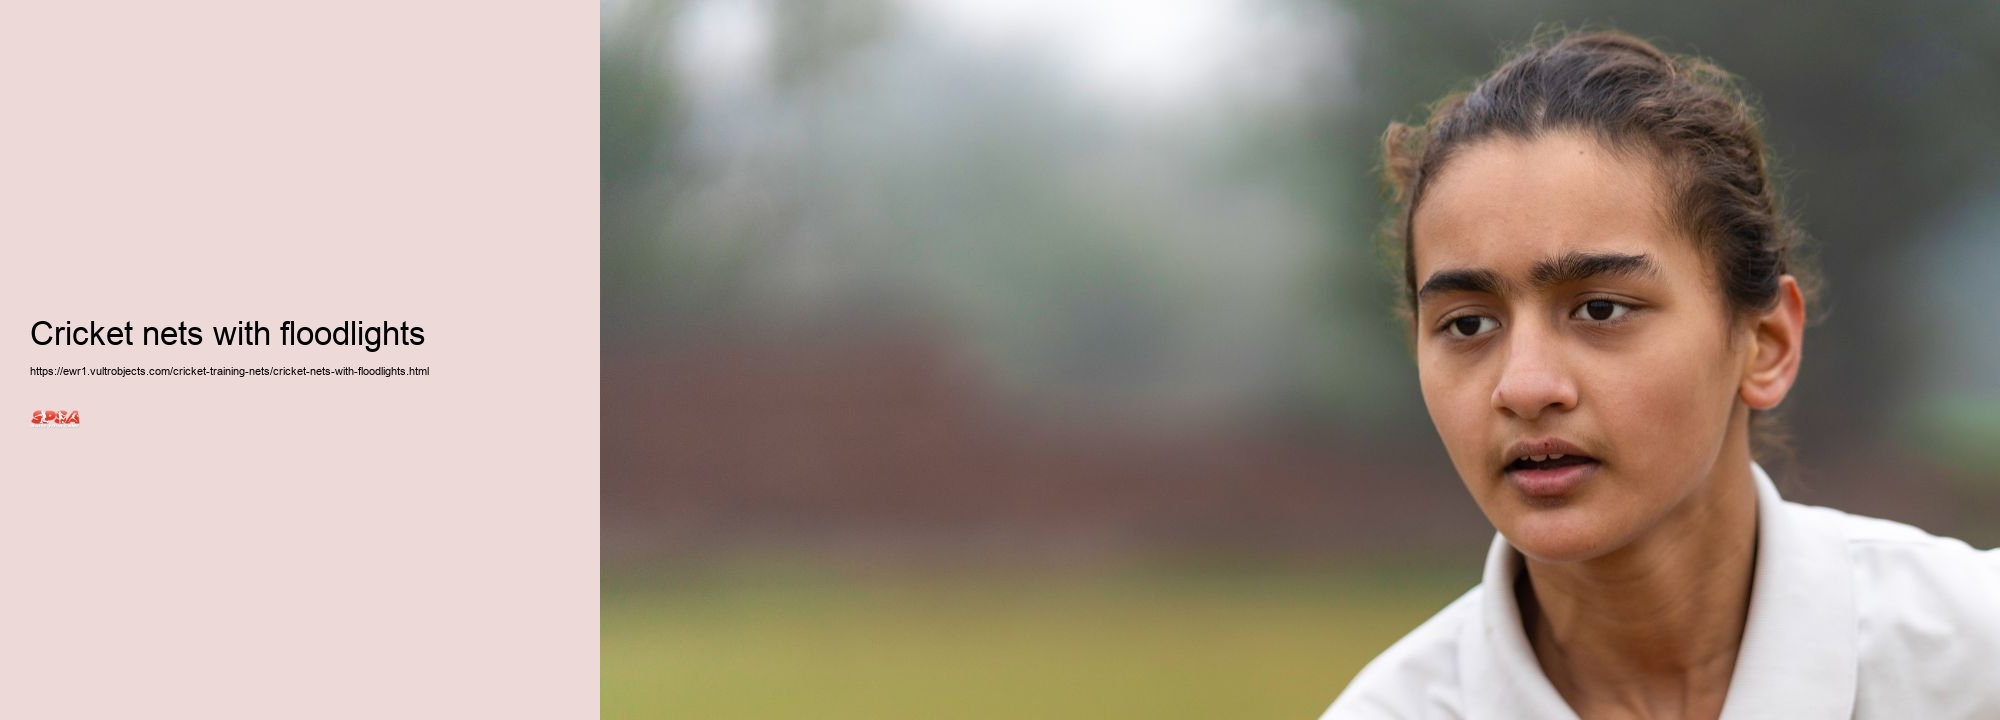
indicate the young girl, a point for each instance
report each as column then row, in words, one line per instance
column 1604, row 298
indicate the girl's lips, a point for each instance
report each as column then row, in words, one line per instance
column 1551, row 483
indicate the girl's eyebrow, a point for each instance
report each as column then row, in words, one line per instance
column 1567, row 268
column 1476, row 280
column 1575, row 266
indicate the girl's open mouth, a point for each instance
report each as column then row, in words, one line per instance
column 1550, row 476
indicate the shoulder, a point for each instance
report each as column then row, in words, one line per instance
column 1912, row 575
column 1418, row 677
column 1892, row 558
column 1927, row 613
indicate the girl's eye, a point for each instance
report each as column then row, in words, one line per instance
column 1601, row 310
column 1471, row 325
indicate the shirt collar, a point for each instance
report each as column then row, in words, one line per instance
column 1797, row 659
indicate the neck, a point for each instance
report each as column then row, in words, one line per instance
column 1653, row 628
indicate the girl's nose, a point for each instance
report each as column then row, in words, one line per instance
column 1534, row 379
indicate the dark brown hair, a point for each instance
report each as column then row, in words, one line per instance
column 1684, row 113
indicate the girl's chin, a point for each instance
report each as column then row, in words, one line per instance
column 1568, row 535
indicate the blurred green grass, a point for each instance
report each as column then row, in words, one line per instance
column 1177, row 642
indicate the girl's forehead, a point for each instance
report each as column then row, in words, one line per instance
column 1506, row 203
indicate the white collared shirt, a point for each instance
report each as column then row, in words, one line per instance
column 1850, row 617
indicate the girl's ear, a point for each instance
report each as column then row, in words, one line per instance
column 1778, row 338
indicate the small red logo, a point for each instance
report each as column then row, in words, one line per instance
column 56, row 417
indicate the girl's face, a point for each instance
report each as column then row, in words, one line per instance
column 1559, row 313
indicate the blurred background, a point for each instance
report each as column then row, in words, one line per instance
column 972, row 358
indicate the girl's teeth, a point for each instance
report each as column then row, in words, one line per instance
column 1538, row 458
column 1555, row 457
